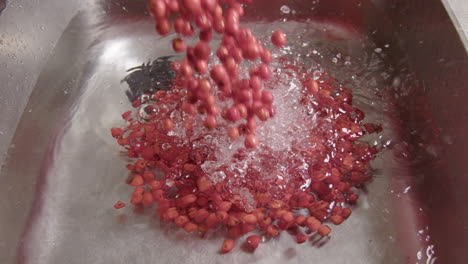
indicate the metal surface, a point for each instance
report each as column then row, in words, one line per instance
column 458, row 11
column 63, row 172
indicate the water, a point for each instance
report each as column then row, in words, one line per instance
column 296, row 129
column 76, row 223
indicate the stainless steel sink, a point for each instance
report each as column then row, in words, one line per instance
column 63, row 172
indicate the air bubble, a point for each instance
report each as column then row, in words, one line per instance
column 285, row 9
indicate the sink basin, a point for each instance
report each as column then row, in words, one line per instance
column 409, row 70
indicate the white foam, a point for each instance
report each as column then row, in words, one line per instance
column 280, row 139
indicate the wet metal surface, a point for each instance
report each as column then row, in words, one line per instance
column 64, row 172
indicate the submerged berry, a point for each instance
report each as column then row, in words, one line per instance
column 119, row 205
column 253, row 187
column 227, row 246
column 253, row 241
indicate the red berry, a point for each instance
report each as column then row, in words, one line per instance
column 218, row 24
column 163, row 26
column 267, row 97
column 236, row 53
column 168, row 125
column 312, row 86
column 173, row 5
column 211, row 100
column 116, row 132
column 178, row 45
column 171, row 214
column 201, row 215
column 155, row 185
column 250, row 219
column 234, row 114
column 179, row 25
column 147, row 199
column 186, row 200
column 202, row 50
column 158, row 8
column 203, row 22
column 336, row 219
column 186, row 70
column 250, row 50
column 242, row 110
column 272, row 231
column 312, row 223
column 222, row 216
column 253, row 241
column 262, row 114
column 346, row 212
column 126, row 115
column 238, row 8
column 201, row 66
column 187, row 29
column 300, row 220
column 138, row 190
column 222, row 52
column 181, row 220
column 136, row 199
column 148, row 176
column 266, row 56
column 224, row 206
column 206, row 35
column 210, row 121
column 137, row 180
column 227, row 246
column 212, row 220
column 232, row 21
column 301, row 238
column 192, row 6
column 190, row 227
column 278, row 38
column 324, row 230
column 252, row 125
column 204, row 184
column 251, row 141
column 264, row 71
column 209, row 4
column 219, row 74
column 230, row 64
column 119, row 205
column 287, row 217
column 255, row 82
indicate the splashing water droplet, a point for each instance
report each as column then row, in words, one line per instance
column 285, row 9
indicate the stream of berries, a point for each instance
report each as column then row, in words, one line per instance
column 243, row 142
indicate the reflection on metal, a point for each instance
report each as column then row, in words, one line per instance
column 149, row 77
